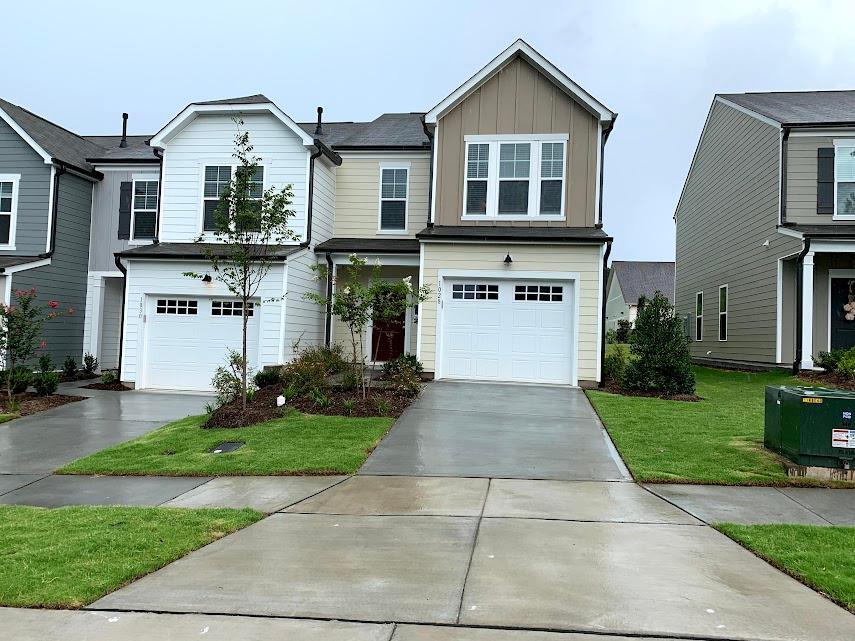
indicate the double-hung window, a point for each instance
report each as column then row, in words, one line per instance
column 722, row 313
column 393, row 198
column 217, row 179
column 844, row 178
column 699, row 316
column 514, row 177
column 8, row 209
column 144, row 209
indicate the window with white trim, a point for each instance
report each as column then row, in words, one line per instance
column 844, row 178
column 177, row 306
column 231, row 308
column 8, row 209
column 144, row 210
column 515, row 176
column 699, row 316
column 393, row 198
column 474, row 291
column 542, row 293
column 722, row 313
column 217, row 179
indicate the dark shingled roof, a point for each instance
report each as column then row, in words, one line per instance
column 195, row 250
column 396, row 130
column 824, row 231
column 799, row 107
column 637, row 279
column 544, row 234
column 59, row 143
column 254, row 99
column 137, row 150
column 12, row 261
column 369, row 246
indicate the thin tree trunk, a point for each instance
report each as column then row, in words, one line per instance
column 245, row 318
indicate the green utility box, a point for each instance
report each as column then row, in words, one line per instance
column 811, row 425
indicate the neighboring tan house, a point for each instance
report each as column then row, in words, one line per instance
column 631, row 280
column 492, row 199
column 766, row 229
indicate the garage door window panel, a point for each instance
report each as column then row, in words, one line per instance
column 542, row 293
column 177, row 306
column 231, row 308
column 474, row 291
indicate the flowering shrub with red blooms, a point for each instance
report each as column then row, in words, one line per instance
column 21, row 326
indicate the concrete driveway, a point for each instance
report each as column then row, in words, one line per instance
column 499, row 431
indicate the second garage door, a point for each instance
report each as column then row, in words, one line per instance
column 187, row 338
column 508, row 330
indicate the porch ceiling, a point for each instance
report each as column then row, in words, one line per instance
column 368, row 246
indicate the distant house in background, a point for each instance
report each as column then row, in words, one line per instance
column 629, row 281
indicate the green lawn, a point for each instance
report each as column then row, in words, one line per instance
column 296, row 444
column 717, row 440
column 71, row 556
column 7, row 417
column 821, row 557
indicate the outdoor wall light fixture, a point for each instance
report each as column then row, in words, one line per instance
column 508, row 259
column 206, row 278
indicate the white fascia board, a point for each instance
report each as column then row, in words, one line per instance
column 44, row 262
column 792, row 233
column 537, row 60
column 27, row 138
column 749, row 112
column 162, row 137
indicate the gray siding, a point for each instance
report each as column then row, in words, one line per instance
column 105, row 218
column 801, row 179
column 64, row 280
column 616, row 307
column 17, row 157
column 728, row 210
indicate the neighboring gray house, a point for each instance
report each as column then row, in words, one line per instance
column 629, row 281
column 766, row 229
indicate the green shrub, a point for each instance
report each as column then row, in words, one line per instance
column 108, row 377
column 611, row 336
column 405, row 382
column 623, row 331
column 21, row 378
column 311, row 370
column 45, row 363
column 267, row 377
column 319, row 398
column 349, row 405
column 90, row 364
column 332, row 357
column 382, row 408
column 829, row 360
column 69, row 367
column 614, row 365
column 46, row 383
column 660, row 349
column 404, row 361
column 846, row 365
column 227, row 383
column 349, row 380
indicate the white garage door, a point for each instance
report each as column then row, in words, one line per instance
column 508, row 331
column 187, row 339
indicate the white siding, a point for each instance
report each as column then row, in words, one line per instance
column 110, row 323
column 166, row 277
column 209, row 139
column 323, row 208
column 304, row 319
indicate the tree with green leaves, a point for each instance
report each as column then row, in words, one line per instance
column 250, row 227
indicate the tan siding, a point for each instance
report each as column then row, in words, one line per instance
column 728, row 210
column 801, row 179
column 357, row 196
column 584, row 260
column 518, row 100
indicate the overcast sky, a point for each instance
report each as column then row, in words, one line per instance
column 657, row 63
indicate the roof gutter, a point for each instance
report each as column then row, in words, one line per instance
column 430, row 172
column 322, row 150
column 54, row 206
column 328, row 320
column 602, row 381
column 159, row 153
column 785, row 145
column 605, row 137
column 799, row 305
column 124, row 271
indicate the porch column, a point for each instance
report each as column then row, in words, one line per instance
column 807, row 311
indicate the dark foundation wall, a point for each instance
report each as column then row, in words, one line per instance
column 64, row 280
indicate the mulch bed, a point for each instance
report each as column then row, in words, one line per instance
column 112, row 387
column 827, row 379
column 30, row 403
column 613, row 388
column 80, row 376
column 263, row 406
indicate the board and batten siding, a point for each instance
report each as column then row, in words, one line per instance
column 584, row 260
column 17, row 157
column 801, row 178
column 105, row 241
column 357, row 213
column 728, row 210
column 209, row 140
column 518, row 99
column 65, row 278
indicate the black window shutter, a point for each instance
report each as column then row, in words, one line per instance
column 825, row 180
column 125, row 197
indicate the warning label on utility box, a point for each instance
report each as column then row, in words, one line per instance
column 843, row 438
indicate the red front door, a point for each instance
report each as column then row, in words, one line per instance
column 387, row 339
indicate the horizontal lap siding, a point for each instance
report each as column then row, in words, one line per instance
column 584, row 260
column 729, row 208
column 358, row 196
column 209, row 139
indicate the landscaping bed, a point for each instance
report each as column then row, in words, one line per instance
column 112, row 387
column 818, row 556
column 70, row 557
column 294, row 444
column 30, row 403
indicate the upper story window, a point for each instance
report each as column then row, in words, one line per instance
column 217, row 178
column 844, row 178
column 515, row 176
column 144, row 210
column 394, row 183
column 8, row 209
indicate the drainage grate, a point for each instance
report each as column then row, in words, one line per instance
column 228, row 446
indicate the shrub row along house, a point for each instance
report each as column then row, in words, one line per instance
column 492, row 199
column 766, row 230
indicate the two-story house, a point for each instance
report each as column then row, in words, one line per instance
column 766, row 230
column 492, row 198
